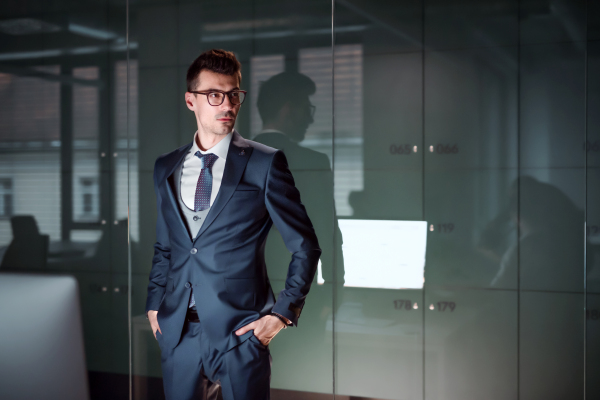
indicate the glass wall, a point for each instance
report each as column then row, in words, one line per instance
column 446, row 152
column 64, row 162
column 291, row 40
column 476, row 121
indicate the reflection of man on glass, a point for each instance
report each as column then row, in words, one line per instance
column 544, row 255
column 210, row 303
column 286, row 111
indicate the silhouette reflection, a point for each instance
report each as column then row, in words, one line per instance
column 28, row 249
column 286, row 112
column 285, row 109
column 548, row 250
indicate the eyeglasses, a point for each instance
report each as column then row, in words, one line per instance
column 217, row 97
column 312, row 110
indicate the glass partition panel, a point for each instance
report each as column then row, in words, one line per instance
column 551, row 203
column 474, row 120
column 592, row 151
column 286, row 57
column 57, row 168
column 378, row 179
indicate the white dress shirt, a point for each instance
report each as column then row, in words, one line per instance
column 190, row 171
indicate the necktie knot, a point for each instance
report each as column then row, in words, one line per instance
column 208, row 159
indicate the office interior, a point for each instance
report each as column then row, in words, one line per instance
column 448, row 157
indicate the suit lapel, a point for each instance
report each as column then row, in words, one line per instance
column 170, row 185
column 238, row 155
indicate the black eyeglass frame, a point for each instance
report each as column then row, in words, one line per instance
column 207, row 92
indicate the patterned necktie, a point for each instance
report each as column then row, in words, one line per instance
column 204, row 185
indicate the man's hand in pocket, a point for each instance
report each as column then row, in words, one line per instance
column 265, row 328
column 154, row 322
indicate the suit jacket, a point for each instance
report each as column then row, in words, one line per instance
column 314, row 179
column 225, row 263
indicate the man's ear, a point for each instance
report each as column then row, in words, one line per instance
column 189, row 101
column 285, row 111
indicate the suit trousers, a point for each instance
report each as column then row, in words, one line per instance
column 193, row 369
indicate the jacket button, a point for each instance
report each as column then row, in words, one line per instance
column 187, row 285
column 194, row 250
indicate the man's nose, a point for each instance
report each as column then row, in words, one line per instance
column 227, row 103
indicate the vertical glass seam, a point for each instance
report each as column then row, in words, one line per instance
column 334, row 270
column 518, row 199
column 585, row 207
column 129, row 277
column 423, row 8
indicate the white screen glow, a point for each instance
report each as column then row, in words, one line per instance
column 384, row 254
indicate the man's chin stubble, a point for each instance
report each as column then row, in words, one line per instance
column 223, row 131
column 219, row 129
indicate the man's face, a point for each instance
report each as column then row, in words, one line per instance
column 217, row 120
column 297, row 118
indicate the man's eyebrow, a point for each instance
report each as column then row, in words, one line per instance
column 219, row 90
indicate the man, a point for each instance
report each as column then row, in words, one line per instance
column 210, row 303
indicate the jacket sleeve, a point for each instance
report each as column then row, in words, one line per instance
column 282, row 200
column 162, row 255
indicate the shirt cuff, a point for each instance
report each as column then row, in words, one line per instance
column 283, row 319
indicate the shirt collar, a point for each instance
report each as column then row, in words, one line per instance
column 220, row 149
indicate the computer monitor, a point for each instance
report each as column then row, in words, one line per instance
column 41, row 338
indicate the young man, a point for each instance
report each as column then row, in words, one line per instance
column 210, row 303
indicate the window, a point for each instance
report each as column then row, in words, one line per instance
column 261, row 69
column 89, row 209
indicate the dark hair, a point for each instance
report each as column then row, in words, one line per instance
column 215, row 60
column 280, row 89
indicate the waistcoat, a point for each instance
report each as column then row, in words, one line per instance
column 193, row 219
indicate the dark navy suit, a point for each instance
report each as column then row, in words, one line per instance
column 225, row 265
